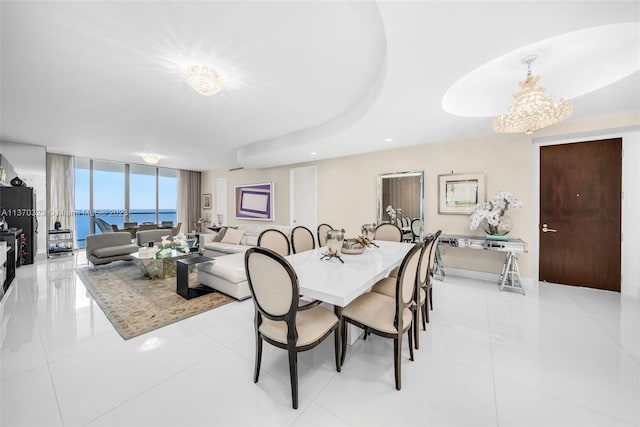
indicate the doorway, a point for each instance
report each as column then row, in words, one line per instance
column 581, row 214
column 303, row 197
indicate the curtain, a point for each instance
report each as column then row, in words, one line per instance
column 188, row 199
column 61, row 193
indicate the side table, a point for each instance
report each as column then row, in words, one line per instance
column 182, row 278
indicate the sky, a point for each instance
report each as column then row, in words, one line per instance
column 108, row 190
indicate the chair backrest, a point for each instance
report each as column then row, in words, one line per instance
column 302, row 239
column 406, row 284
column 416, row 227
column 103, row 225
column 322, row 230
column 175, row 230
column 143, row 237
column 432, row 255
column 167, row 223
column 144, row 227
column 130, row 224
column 275, row 240
column 273, row 284
column 423, row 267
column 388, row 232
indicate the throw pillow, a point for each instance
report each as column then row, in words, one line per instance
column 220, row 234
column 232, row 236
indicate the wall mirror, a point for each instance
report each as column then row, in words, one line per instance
column 403, row 190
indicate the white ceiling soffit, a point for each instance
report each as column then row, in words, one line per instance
column 105, row 79
column 569, row 65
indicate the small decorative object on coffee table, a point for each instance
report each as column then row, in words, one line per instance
column 182, row 278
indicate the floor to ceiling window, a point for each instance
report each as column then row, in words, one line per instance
column 110, row 193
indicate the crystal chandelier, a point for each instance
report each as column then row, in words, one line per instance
column 532, row 109
column 203, row 79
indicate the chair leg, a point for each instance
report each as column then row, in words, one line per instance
column 366, row 332
column 416, row 313
column 293, row 372
column 397, row 352
column 256, row 372
column 344, row 342
column 410, row 335
column 424, row 316
column 431, row 297
column 337, row 337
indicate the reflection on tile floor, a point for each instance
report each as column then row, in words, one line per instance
column 558, row 356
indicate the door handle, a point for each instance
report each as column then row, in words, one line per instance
column 545, row 229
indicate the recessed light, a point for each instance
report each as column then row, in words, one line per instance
column 313, row 153
column 388, row 139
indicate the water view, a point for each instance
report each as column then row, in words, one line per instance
column 136, row 215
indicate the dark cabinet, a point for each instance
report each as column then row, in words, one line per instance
column 18, row 207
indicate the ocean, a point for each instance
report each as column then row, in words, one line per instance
column 135, row 215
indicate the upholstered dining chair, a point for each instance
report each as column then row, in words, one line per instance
column 130, row 224
column 387, row 317
column 302, row 239
column 278, row 319
column 416, row 229
column 275, row 240
column 322, row 231
column 144, row 227
column 428, row 284
column 419, row 307
column 388, row 232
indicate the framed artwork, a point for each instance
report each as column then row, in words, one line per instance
column 254, row 201
column 206, row 201
column 459, row 193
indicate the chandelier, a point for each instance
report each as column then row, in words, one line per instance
column 203, row 79
column 532, row 109
column 151, row 158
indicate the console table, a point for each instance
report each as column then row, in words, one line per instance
column 510, row 275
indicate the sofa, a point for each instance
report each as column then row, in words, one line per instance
column 108, row 247
column 216, row 244
column 145, row 236
column 226, row 272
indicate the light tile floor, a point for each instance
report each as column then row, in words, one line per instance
column 558, row 356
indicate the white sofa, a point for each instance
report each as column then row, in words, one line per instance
column 226, row 272
column 249, row 238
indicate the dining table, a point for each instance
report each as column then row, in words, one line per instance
column 338, row 283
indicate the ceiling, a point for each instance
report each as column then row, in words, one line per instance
column 105, row 79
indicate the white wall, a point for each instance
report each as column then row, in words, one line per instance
column 30, row 164
column 347, row 189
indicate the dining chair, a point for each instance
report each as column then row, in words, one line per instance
column 385, row 316
column 130, row 224
column 322, row 230
column 167, row 223
column 278, row 319
column 416, row 229
column 144, row 227
column 302, row 239
column 175, row 230
column 428, row 284
column 388, row 232
column 275, row 240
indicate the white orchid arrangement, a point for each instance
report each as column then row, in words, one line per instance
column 178, row 244
column 493, row 210
column 391, row 212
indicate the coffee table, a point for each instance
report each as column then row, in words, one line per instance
column 184, row 266
column 160, row 268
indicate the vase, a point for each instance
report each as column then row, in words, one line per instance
column 503, row 228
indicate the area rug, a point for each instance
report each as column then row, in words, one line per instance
column 135, row 304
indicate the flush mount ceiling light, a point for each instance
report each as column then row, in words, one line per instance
column 203, row 80
column 151, row 158
column 532, row 109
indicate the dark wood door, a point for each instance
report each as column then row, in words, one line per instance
column 580, row 203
